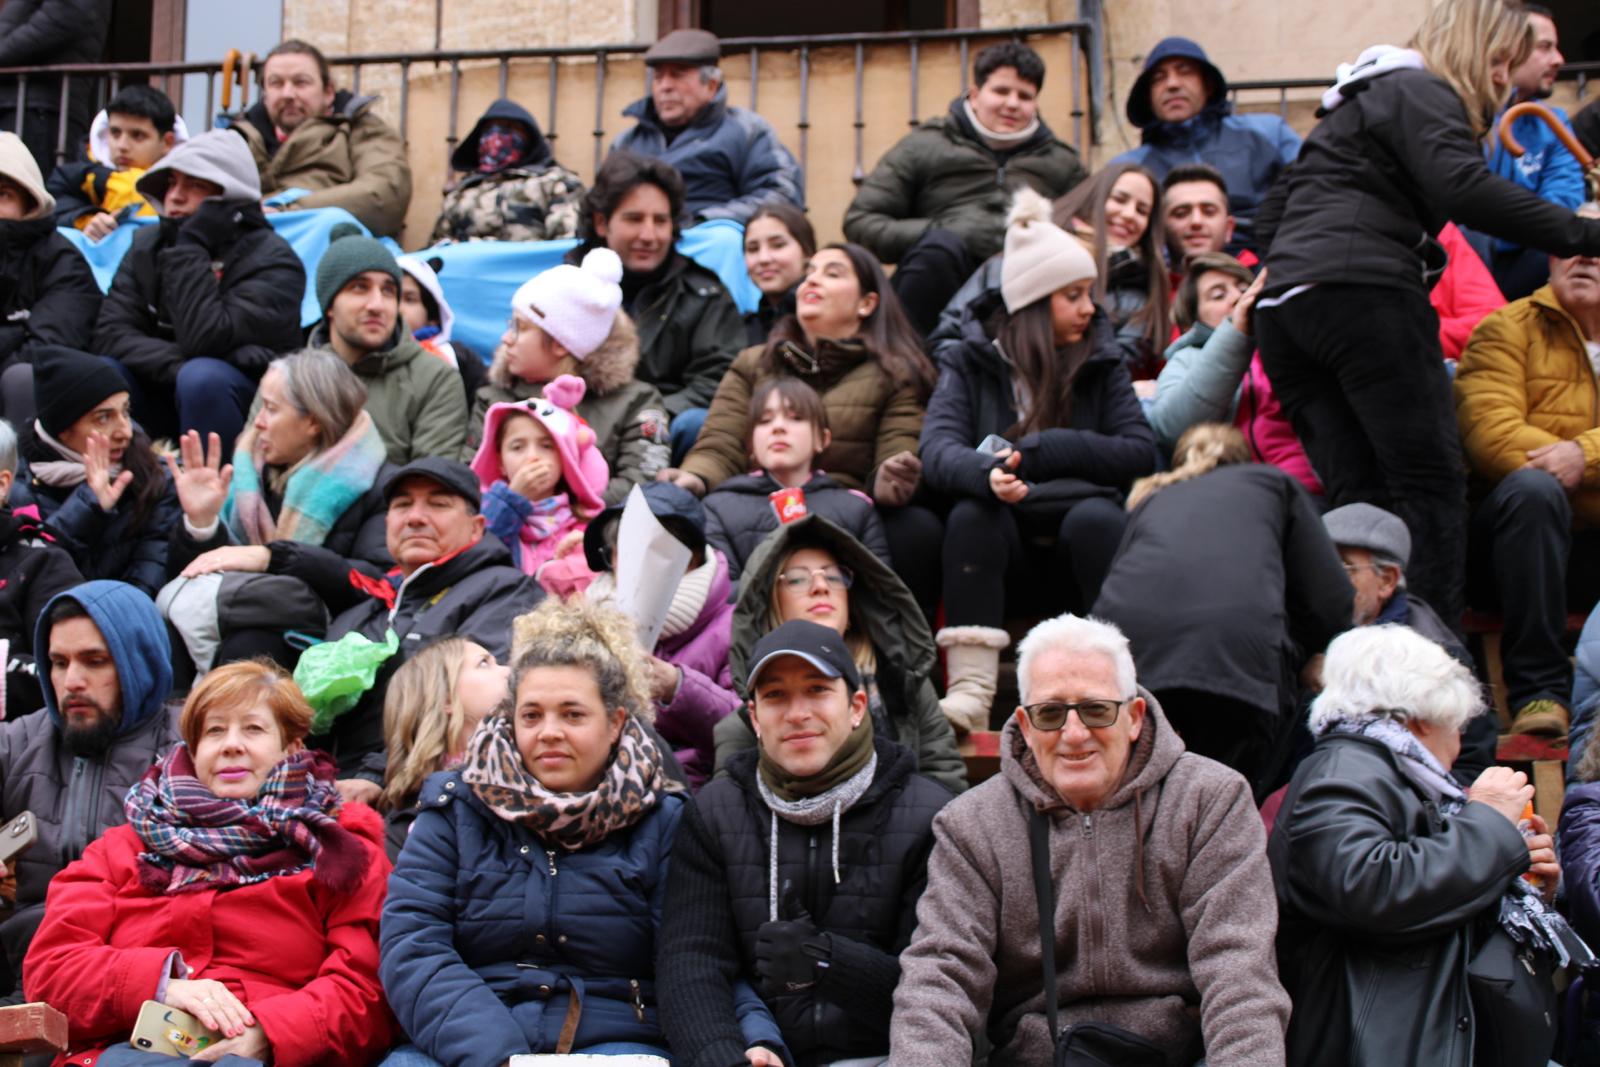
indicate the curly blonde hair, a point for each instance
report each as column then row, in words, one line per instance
column 1203, row 447
column 578, row 633
column 1462, row 40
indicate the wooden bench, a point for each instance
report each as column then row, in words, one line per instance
column 1487, row 628
column 29, row 1029
column 1544, row 761
column 981, row 752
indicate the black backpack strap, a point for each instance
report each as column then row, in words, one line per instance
column 1044, row 891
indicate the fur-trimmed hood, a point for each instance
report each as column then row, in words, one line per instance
column 608, row 368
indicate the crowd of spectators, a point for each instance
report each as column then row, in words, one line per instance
column 377, row 700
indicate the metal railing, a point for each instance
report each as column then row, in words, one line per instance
column 1584, row 74
column 101, row 81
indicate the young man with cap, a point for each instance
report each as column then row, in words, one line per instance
column 203, row 301
column 731, row 159
column 448, row 578
column 1180, row 106
column 48, row 293
column 305, row 133
column 415, row 397
column 105, row 669
column 797, row 873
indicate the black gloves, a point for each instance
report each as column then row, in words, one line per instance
column 790, row 955
column 212, row 226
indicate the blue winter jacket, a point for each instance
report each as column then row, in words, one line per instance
column 1546, row 167
column 1585, row 702
column 487, row 934
column 731, row 159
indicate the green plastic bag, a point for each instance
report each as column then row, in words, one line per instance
column 335, row 674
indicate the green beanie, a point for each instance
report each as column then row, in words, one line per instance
column 350, row 252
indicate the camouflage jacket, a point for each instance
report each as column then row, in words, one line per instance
column 537, row 203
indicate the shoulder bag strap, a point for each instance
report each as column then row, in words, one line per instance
column 1039, row 842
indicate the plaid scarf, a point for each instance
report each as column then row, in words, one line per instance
column 317, row 490
column 198, row 840
column 632, row 784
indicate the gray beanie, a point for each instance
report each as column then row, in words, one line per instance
column 218, row 156
column 1372, row 528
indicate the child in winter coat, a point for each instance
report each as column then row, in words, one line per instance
column 542, row 478
column 569, row 320
column 788, row 431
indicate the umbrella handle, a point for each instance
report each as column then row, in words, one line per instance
column 232, row 57
column 1559, row 128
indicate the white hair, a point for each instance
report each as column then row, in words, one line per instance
column 1084, row 635
column 1392, row 670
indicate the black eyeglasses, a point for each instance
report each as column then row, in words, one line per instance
column 1051, row 715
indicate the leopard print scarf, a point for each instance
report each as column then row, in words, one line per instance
column 632, row 784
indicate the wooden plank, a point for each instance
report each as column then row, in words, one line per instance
column 32, row 1028
column 1549, row 786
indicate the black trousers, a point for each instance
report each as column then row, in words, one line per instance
column 993, row 552
column 1526, row 560
column 915, row 533
column 929, row 274
column 1359, row 371
column 1229, row 731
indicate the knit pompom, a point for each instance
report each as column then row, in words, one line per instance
column 604, row 264
column 1028, row 207
column 344, row 229
column 565, row 391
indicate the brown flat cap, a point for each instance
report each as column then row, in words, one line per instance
column 695, row 47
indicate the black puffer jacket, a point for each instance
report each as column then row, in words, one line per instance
column 1379, row 177
column 31, row 572
column 1381, row 903
column 104, row 544
column 47, row 291
column 168, row 302
column 1106, row 446
column 475, row 594
column 740, row 514
column 718, row 886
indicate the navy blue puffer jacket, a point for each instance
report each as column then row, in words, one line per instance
column 487, row 935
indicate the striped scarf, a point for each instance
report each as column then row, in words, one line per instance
column 317, row 490
column 198, row 840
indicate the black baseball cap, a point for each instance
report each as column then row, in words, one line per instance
column 455, row 476
column 820, row 646
column 667, row 502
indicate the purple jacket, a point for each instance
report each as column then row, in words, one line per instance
column 1579, row 838
column 706, row 694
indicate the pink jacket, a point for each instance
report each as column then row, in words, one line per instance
column 1272, row 439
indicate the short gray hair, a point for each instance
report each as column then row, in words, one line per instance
column 1392, row 670
column 322, row 387
column 8, row 447
column 1085, row 635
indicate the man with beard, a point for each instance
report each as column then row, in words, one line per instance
column 102, row 726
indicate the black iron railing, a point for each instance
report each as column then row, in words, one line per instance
column 101, row 81
column 1584, row 74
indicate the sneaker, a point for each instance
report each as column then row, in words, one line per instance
column 1545, row 717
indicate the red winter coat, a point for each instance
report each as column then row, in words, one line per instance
column 302, row 958
column 1464, row 293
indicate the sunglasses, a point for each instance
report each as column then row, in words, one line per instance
column 1050, row 715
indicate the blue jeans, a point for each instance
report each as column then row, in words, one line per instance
column 412, row 1056
column 684, row 430
column 213, row 397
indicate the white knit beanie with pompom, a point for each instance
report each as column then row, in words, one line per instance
column 575, row 305
column 1040, row 256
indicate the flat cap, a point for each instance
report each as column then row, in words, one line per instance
column 1370, row 527
column 696, row 47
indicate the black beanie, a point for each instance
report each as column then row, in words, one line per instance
column 67, row 384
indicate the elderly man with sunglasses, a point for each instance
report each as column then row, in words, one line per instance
column 1163, row 908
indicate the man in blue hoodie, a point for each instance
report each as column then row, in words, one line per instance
column 103, row 725
column 1180, row 105
column 1545, row 166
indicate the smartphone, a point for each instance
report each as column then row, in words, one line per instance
column 990, row 448
column 17, row 836
column 166, row 1031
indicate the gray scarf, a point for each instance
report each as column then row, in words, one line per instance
column 812, row 811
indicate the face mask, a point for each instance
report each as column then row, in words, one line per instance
column 500, row 146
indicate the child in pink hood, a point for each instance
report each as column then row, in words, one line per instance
column 542, row 478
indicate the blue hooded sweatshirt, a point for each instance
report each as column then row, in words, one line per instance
column 1545, row 167
column 137, row 637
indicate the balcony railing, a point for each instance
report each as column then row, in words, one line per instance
column 1257, row 94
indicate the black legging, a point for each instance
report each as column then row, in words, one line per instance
column 914, row 533
column 1361, row 376
column 988, row 552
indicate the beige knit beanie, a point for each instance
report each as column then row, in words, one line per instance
column 16, row 163
column 1040, row 256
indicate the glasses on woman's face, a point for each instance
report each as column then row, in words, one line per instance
column 513, row 329
column 796, row 579
column 1051, row 715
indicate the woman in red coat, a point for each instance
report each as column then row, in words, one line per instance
column 241, row 891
